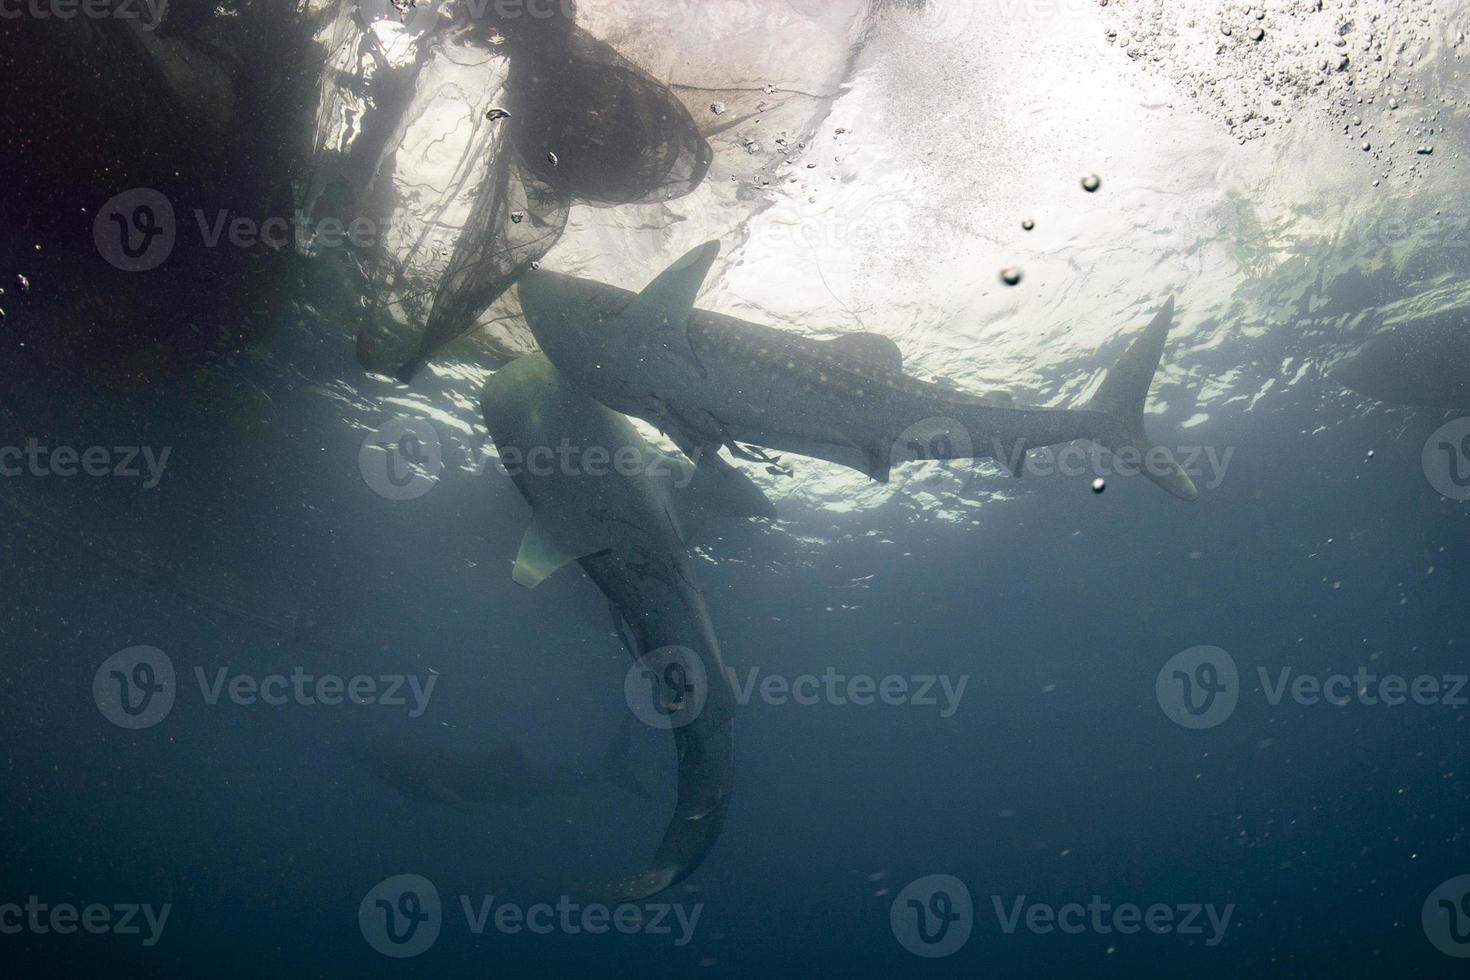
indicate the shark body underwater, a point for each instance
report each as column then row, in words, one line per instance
column 711, row 381
column 627, row 526
column 500, row 777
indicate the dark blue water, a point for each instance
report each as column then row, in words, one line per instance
column 1056, row 782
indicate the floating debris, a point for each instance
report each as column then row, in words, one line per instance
column 518, row 216
column 497, row 113
column 1099, row 485
column 22, row 284
column 1091, row 183
column 1424, row 150
column 1027, row 224
column 1010, row 275
column 535, row 265
column 551, row 158
column 717, row 108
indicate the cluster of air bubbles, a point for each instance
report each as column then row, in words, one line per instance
column 791, row 152
column 1254, row 65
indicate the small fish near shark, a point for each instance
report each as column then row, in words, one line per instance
column 627, row 520
column 711, row 382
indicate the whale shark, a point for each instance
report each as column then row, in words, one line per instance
column 498, row 777
column 603, row 497
column 711, row 381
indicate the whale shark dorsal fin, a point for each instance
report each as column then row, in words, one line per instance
column 709, row 492
column 871, row 349
column 999, row 399
column 538, row 557
column 663, row 308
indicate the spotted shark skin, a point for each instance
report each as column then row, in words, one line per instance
column 712, row 381
column 628, row 529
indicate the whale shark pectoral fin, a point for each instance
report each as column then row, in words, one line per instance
column 879, row 459
column 711, row 490
column 663, row 309
column 870, row 349
column 539, row 556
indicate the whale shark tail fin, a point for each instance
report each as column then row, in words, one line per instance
column 1121, row 397
column 616, row 767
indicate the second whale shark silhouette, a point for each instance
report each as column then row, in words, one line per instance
column 626, row 519
column 499, row 777
column 711, row 381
